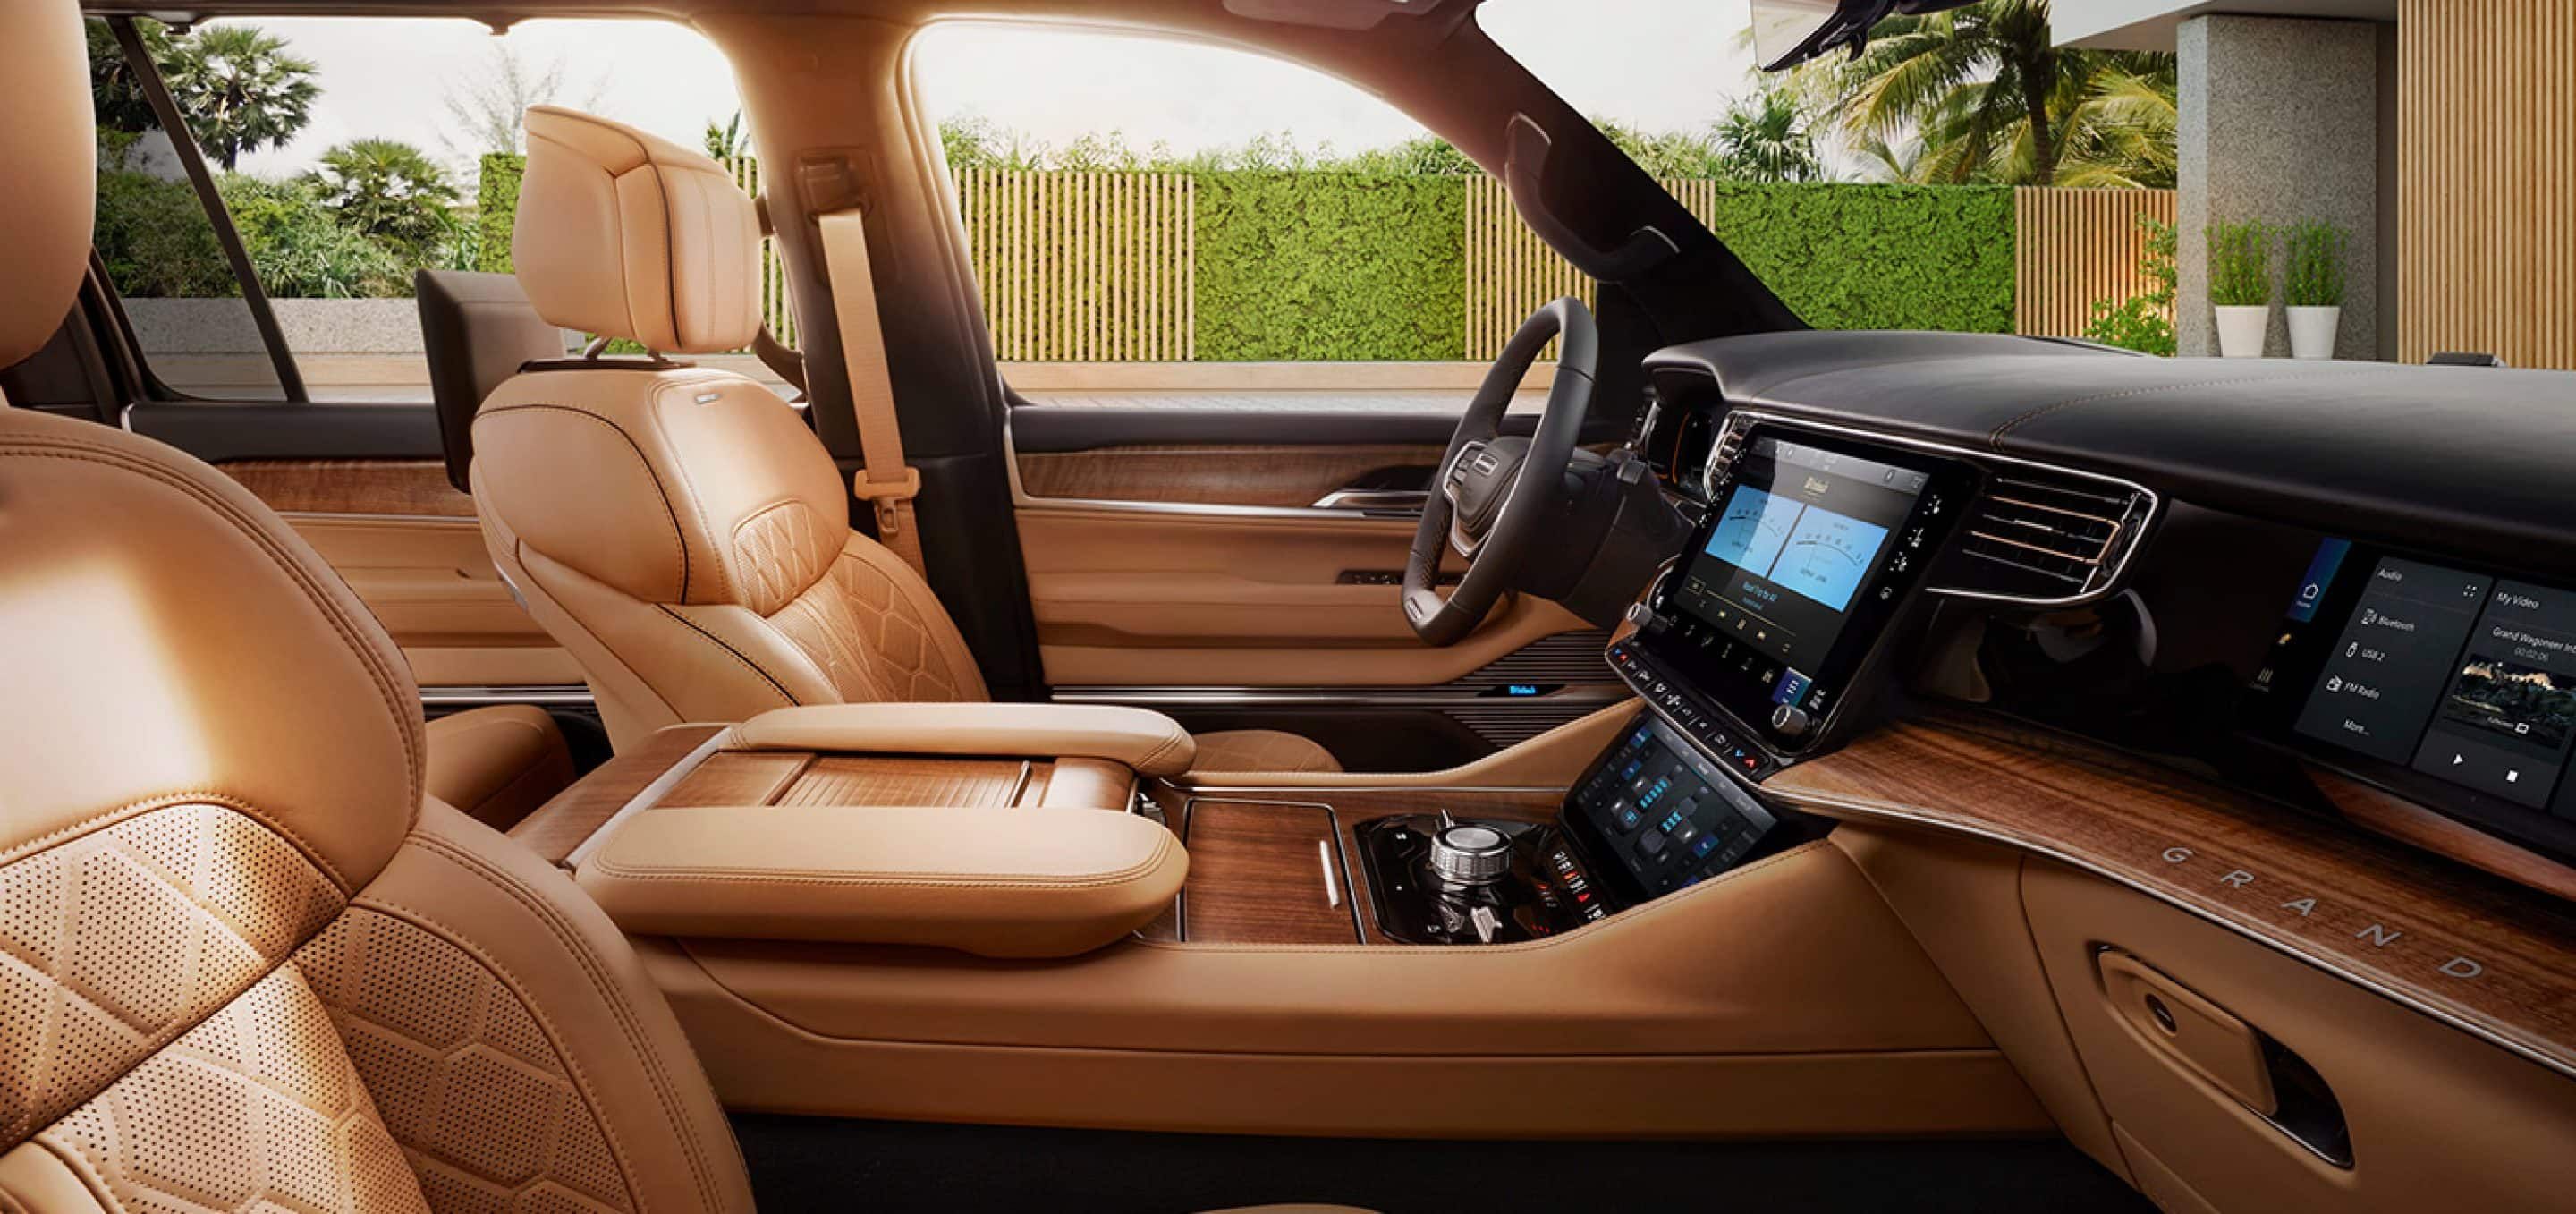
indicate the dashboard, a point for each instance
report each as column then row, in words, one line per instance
column 2266, row 572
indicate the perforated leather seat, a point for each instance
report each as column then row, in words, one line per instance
column 243, row 963
column 679, row 529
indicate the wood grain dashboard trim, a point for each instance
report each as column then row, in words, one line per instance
column 2488, row 957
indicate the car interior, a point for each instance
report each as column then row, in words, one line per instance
column 1714, row 763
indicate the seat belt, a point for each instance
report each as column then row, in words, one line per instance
column 884, row 480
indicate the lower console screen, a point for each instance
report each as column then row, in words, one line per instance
column 1656, row 816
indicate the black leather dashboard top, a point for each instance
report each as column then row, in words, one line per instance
column 2475, row 461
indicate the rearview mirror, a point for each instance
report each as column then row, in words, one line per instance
column 1787, row 33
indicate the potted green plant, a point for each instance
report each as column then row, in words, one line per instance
column 2240, row 286
column 2313, row 294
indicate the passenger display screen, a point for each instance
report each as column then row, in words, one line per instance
column 2461, row 676
column 1798, row 534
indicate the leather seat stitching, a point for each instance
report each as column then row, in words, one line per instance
column 397, row 707
column 688, row 485
column 678, row 537
column 738, row 655
column 536, row 1011
column 604, row 983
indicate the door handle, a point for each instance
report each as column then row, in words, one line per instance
column 1374, row 501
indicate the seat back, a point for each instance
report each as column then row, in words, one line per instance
column 678, row 529
column 243, row 963
column 478, row 329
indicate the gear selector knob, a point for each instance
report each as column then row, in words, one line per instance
column 1470, row 854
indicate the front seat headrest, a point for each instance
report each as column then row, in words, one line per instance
column 625, row 234
column 51, row 147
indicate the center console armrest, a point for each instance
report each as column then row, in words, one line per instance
column 1149, row 742
column 999, row 882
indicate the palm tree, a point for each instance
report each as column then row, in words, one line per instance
column 1993, row 99
column 240, row 89
column 1765, row 139
column 391, row 191
column 726, row 141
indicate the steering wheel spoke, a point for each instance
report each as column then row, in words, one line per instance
column 1480, row 507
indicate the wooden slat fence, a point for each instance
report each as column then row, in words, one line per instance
column 2486, row 181
column 1510, row 271
column 1102, row 267
column 777, row 307
column 2072, row 248
column 1084, row 267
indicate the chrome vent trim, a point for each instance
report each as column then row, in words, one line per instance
column 2065, row 534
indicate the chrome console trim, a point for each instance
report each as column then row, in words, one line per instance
column 647, row 796
column 566, row 695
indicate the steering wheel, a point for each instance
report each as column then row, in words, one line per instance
column 1493, row 494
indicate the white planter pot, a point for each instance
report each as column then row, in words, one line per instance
column 2240, row 329
column 2312, row 331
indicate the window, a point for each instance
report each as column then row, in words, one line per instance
column 348, row 154
column 1166, row 213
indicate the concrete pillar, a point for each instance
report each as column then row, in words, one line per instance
column 2280, row 123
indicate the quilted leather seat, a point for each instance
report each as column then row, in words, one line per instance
column 245, row 963
column 678, row 529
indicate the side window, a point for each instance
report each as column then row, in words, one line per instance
column 349, row 154
column 1172, row 209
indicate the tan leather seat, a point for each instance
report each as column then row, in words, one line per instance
column 499, row 763
column 679, row 529
column 244, row 964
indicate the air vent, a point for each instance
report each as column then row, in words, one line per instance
column 2046, row 539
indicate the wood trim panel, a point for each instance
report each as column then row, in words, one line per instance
column 573, row 815
column 1258, row 875
column 417, row 487
column 1212, row 475
column 2399, row 818
column 2492, row 957
column 871, row 780
column 1263, row 897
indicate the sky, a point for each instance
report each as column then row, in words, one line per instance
column 1657, row 64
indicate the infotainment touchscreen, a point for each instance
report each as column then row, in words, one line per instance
column 1811, row 546
column 2462, row 676
column 1798, row 533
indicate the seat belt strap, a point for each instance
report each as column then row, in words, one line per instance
column 884, row 480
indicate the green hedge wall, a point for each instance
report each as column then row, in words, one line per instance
column 1330, row 266
column 497, row 203
column 1337, row 266
column 1846, row 256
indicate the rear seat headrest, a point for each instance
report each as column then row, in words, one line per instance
column 625, row 234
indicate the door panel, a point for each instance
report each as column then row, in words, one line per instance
column 1141, row 598
column 1242, row 475
column 406, row 541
